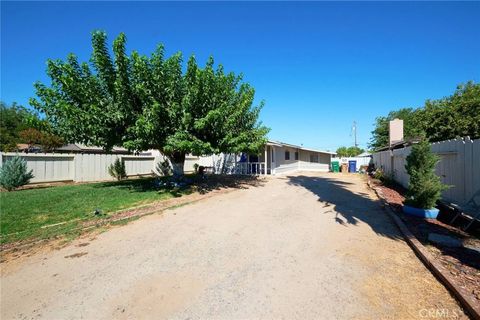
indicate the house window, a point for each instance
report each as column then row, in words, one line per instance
column 296, row 155
column 313, row 157
column 287, row 155
column 273, row 156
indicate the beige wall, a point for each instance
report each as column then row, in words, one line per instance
column 303, row 163
column 50, row 167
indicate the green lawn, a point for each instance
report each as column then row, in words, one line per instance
column 24, row 212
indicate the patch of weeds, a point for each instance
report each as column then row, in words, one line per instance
column 386, row 179
column 125, row 221
column 179, row 205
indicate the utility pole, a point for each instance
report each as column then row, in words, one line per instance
column 354, row 131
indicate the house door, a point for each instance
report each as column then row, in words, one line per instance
column 252, row 167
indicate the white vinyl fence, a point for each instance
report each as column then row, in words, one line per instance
column 361, row 161
column 459, row 167
column 51, row 167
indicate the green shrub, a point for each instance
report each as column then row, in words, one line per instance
column 379, row 174
column 14, row 174
column 117, row 169
column 164, row 168
column 387, row 179
column 425, row 187
column 195, row 167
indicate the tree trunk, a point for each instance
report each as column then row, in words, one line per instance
column 177, row 160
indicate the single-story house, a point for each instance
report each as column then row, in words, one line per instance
column 280, row 157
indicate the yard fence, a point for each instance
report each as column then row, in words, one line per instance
column 53, row 167
column 459, row 167
column 361, row 161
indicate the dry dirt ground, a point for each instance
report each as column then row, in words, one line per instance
column 306, row 246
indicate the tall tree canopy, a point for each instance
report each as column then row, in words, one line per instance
column 349, row 152
column 13, row 119
column 19, row 125
column 457, row 115
column 149, row 102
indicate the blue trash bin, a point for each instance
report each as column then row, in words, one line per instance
column 352, row 166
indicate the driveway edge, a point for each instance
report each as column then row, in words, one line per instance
column 438, row 270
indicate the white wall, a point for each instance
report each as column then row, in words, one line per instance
column 281, row 165
column 361, row 161
column 303, row 163
column 323, row 164
column 459, row 167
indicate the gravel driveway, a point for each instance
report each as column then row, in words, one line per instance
column 306, row 246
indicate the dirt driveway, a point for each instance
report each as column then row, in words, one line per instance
column 309, row 246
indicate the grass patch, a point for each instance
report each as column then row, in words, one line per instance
column 25, row 212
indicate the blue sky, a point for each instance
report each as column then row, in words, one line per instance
column 319, row 66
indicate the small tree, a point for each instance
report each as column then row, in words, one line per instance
column 349, row 152
column 164, row 168
column 34, row 137
column 117, row 169
column 14, row 174
column 31, row 136
column 425, row 187
column 50, row 142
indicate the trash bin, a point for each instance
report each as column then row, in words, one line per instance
column 335, row 166
column 352, row 166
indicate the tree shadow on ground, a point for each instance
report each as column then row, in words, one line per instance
column 135, row 185
column 217, row 182
column 349, row 207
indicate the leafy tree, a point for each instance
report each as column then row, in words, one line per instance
column 424, row 187
column 454, row 116
column 14, row 174
column 354, row 151
column 349, row 152
column 50, row 142
column 46, row 140
column 13, row 120
column 31, row 137
column 411, row 127
column 342, row 152
column 20, row 125
column 143, row 102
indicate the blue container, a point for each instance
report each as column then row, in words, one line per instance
column 352, row 166
column 422, row 213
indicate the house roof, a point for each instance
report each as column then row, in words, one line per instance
column 78, row 147
column 399, row 144
column 364, row 154
column 283, row 144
